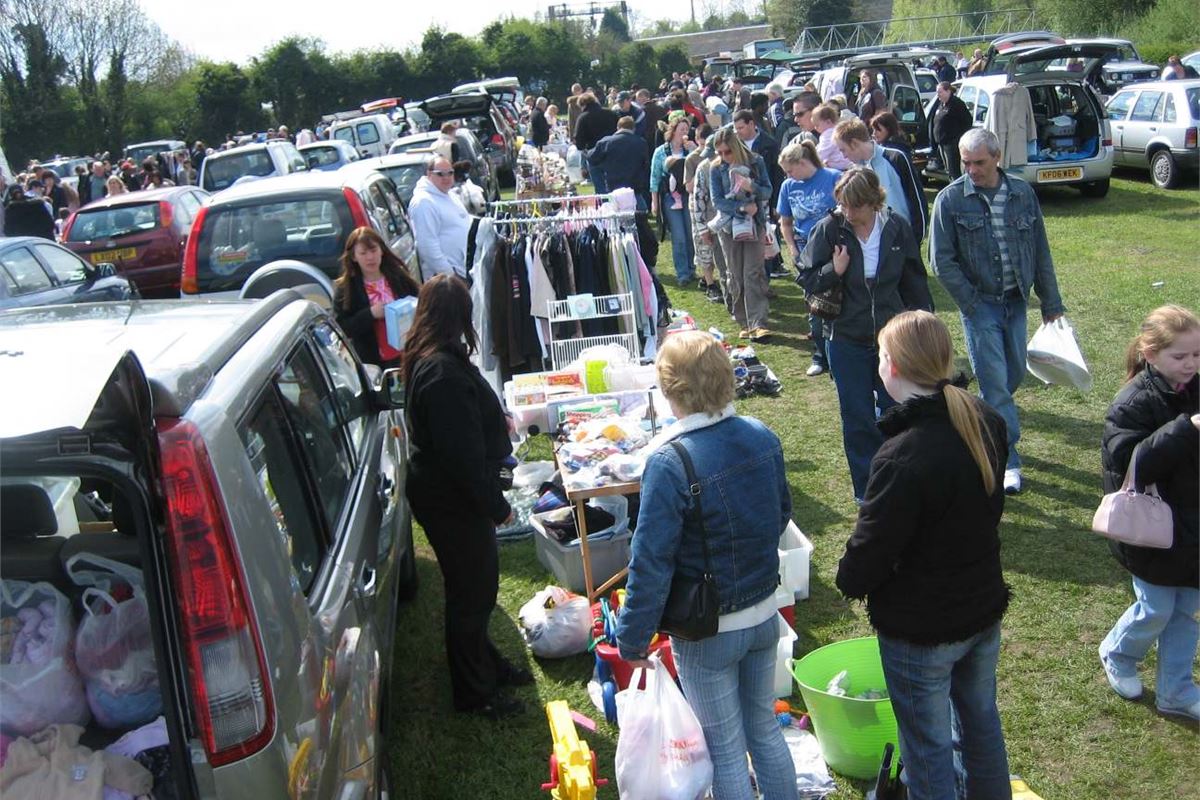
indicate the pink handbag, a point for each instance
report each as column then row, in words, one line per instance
column 1135, row 518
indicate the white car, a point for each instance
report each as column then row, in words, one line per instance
column 250, row 162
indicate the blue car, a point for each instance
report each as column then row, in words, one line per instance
column 38, row 272
column 328, row 156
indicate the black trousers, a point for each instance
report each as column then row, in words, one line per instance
column 465, row 546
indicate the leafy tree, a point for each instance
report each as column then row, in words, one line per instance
column 614, row 25
column 297, row 78
column 224, row 100
column 639, row 64
column 448, row 59
column 1091, row 17
column 1167, row 29
column 115, row 102
column 672, row 58
column 35, row 110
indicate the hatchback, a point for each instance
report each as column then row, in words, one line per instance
column 250, row 162
column 469, row 149
column 36, row 272
column 1154, row 126
column 328, row 156
column 405, row 169
column 237, row 467
column 483, row 118
column 143, row 233
column 304, row 218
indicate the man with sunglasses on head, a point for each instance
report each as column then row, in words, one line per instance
column 440, row 222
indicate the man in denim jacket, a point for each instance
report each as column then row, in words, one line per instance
column 988, row 247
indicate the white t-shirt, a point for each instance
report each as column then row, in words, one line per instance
column 870, row 248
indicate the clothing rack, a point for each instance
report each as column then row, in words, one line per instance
column 578, row 207
column 593, row 215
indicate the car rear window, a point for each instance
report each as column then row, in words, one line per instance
column 220, row 172
column 139, row 154
column 405, row 178
column 325, row 156
column 406, row 147
column 236, row 240
column 113, row 222
column 1193, row 101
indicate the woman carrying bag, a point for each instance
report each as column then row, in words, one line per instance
column 458, row 437
column 669, row 192
column 722, row 523
column 1155, row 419
column 867, row 256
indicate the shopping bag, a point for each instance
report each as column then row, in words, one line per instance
column 556, row 623
column 39, row 683
column 661, row 752
column 1053, row 355
column 770, row 243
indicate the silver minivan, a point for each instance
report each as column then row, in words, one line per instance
column 1154, row 126
column 237, row 463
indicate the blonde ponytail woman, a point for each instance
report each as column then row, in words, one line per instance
column 925, row 556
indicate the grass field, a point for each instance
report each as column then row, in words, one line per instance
column 1067, row 733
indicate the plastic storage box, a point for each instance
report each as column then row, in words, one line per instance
column 609, row 549
column 795, row 552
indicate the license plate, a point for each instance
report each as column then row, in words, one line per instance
column 1064, row 174
column 109, row 256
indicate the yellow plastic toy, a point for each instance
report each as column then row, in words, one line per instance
column 1021, row 790
column 572, row 764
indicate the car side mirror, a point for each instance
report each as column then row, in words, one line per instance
column 94, row 272
column 391, row 388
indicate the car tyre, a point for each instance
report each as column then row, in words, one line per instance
column 1164, row 172
column 407, row 580
column 1094, row 188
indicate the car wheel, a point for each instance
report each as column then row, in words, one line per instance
column 1164, row 172
column 1094, row 188
column 406, row 579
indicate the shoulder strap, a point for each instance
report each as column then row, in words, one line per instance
column 694, row 490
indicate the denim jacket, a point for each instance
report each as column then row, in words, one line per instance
column 746, row 503
column 964, row 255
column 719, row 187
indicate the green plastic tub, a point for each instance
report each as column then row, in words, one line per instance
column 852, row 732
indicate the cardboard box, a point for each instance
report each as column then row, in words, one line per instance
column 398, row 317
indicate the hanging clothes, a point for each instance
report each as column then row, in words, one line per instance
column 1012, row 120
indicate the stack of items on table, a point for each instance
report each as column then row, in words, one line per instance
column 90, row 677
column 541, row 173
column 751, row 375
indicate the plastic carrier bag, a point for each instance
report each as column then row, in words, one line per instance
column 661, row 752
column 113, row 646
column 556, row 623
column 1053, row 355
column 39, row 682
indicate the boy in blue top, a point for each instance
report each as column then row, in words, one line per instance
column 805, row 197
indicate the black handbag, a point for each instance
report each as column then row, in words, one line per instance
column 691, row 612
column 828, row 304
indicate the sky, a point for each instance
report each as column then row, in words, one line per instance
column 236, row 30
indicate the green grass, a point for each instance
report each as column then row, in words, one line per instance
column 1067, row 733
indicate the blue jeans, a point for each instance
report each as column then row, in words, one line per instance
column 599, row 183
column 996, row 347
column 683, row 249
column 1166, row 614
column 816, row 331
column 944, row 697
column 861, row 397
column 729, row 682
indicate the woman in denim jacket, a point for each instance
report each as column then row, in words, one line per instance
column 728, row 678
column 746, row 278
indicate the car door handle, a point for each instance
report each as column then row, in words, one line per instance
column 367, row 579
column 385, row 491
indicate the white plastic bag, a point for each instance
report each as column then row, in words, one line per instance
column 661, row 752
column 556, row 623
column 114, row 647
column 1053, row 355
column 39, row 682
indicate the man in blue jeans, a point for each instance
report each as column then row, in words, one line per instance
column 988, row 247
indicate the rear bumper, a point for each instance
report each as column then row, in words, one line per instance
column 1188, row 159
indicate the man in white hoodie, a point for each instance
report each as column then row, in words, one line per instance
column 440, row 222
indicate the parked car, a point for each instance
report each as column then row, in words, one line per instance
column 1001, row 50
column 927, row 83
column 506, row 92
column 1116, row 75
column 1074, row 143
column 250, row 162
column 417, row 119
column 137, row 153
column 370, row 134
column 478, row 110
column 328, row 156
column 260, row 500
column 1192, row 60
column 1154, row 126
column 37, row 272
column 894, row 75
column 142, row 233
column 298, row 218
column 405, row 169
column 469, row 149
column 64, row 168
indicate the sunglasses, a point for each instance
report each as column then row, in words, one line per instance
column 800, row 114
column 443, row 173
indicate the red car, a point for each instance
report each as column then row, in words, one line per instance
column 142, row 233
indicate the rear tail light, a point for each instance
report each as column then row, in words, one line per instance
column 165, row 214
column 1106, row 143
column 66, row 231
column 1189, row 137
column 233, row 704
column 189, row 283
column 497, row 140
column 358, row 212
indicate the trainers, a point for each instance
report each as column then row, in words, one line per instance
column 1126, row 688
column 743, row 334
column 713, row 293
column 780, row 272
column 759, row 335
column 814, row 371
column 1192, row 712
column 1012, row 481
column 497, row 708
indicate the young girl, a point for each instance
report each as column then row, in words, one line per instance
column 1156, row 414
column 372, row 276
column 926, row 556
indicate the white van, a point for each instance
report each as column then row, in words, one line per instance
column 371, row 135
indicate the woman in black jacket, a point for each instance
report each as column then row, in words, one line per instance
column 1156, row 415
column 872, row 254
column 926, row 556
column 458, row 438
column 372, row 276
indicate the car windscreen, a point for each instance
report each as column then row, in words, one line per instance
column 220, row 172
column 405, row 147
column 405, row 177
column 139, row 154
column 237, row 239
column 926, row 83
column 113, row 222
